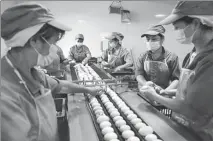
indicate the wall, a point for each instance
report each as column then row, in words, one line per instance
column 92, row 18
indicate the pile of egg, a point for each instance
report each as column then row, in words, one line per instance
column 143, row 129
column 86, row 72
column 120, row 123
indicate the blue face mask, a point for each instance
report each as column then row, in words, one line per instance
column 44, row 61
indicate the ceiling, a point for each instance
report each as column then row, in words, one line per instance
column 140, row 10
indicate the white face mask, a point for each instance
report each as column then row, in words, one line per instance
column 181, row 36
column 112, row 45
column 44, row 61
column 153, row 46
column 79, row 44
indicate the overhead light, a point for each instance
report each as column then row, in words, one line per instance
column 160, row 15
column 125, row 16
column 115, row 7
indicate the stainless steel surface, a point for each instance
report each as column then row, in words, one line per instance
column 80, row 122
column 163, row 126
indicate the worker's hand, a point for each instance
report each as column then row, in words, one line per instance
column 84, row 63
column 72, row 63
column 103, row 63
column 149, row 92
column 66, row 62
column 149, row 83
column 117, row 69
column 95, row 90
column 171, row 92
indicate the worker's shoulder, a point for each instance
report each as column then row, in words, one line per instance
column 84, row 46
column 10, row 91
column 171, row 55
column 206, row 62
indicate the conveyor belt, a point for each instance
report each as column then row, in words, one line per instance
column 100, row 72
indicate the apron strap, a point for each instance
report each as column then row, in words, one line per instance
column 18, row 75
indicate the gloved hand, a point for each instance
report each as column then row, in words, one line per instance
column 149, row 83
column 72, row 63
column 95, row 90
column 117, row 69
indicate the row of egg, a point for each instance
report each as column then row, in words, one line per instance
column 120, row 123
column 103, row 121
column 142, row 128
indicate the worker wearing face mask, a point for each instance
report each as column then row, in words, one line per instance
column 79, row 53
column 116, row 57
column 157, row 67
column 55, row 69
column 28, row 111
column 192, row 106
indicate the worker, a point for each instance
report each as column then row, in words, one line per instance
column 192, row 106
column 116, row 57
column 28, row 111
column 79, row 53
column 58, row 66
column 157, row 67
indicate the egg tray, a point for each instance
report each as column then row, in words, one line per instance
column 130, row 124
column 162, row 109
column 96, row 124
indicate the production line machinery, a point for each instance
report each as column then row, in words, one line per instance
column 119, row 113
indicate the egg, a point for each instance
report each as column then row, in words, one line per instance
column 102, row 118
column 105, row 101
column 128, row 112
column 117, row 118
column 99, row 111
column 145, row 130
column 133, row 139
column 93, row 100
column 131, row 116
column 97, row 107
column 150, row 137
column 114, row 114
column 139, row 125
column 135, row 121
column 108, row 103
column 119, row 123
column 95, row 104
column 124, row 128
column 104, row 98
column 119, row 102
column 110, row 106
column 120, row 105
column 125, row 108
column 99, row 114
column 107, row 130
column 114, row 97
column 110, row 136
column 105, row 124
column 114, row 140
column 127, row 134
column 112, row 109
